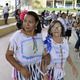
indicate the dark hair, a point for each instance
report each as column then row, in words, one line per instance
column 53, row 11
column 78, row 9
column 60, row 11
column 52, row 24
column 7, row 4
column 17, row 11
column 62, row 14
column 38, row 28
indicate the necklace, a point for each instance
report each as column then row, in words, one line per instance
column 35, row 48
column 61, row 57
column 70, row 21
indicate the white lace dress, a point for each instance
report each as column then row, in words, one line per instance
column 59, row 54
column 28, row 52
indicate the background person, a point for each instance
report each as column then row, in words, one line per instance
column 77, row 14
column 21, row 18
column 17, row 16
column 43, row 20
column 46, row 15
column 70, row 21
column 6, row 13
column 53, row 16
column 59, row 14
column 63, row 20
column 77, row 28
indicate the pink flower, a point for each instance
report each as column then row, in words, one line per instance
column 22, row 15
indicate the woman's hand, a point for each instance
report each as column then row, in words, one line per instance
column 45, row 77
column 25, row 73
column 75, row 72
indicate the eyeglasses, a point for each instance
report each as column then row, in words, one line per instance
column 58, row 28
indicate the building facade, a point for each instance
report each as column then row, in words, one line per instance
column 46, row 3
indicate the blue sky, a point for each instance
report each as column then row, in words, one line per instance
column 3, row 2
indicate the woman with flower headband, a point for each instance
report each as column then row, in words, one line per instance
column 20, row 22
column 26, row 48
column 17, row 16
column 58, row 48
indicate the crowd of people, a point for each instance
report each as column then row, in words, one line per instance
column 35, row 59
column 68, row 22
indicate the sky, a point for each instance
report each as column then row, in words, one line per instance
column 3, row 2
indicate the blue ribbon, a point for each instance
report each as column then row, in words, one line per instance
column 48, row 42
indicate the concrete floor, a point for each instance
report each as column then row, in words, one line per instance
column 6, row 68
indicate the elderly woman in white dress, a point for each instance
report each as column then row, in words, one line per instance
column 26, row 48
column 57, row 46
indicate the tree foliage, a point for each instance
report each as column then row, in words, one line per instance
column 68, row 2
column 38, row 3
column 78, row 1
column 1, row 6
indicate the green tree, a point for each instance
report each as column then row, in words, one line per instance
column 38, row 3
column 1, row 6
column 9, row 4
column 78, row 1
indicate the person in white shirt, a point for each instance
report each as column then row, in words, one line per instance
column 70, row 21
column 56, row 45
column 63, row 20
column 6, row 13
column 28, row 48
column 53, row 16
column 77, row 14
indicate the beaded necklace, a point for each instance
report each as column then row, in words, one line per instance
column 34, row 45
column 61, row 57
column 70, row 21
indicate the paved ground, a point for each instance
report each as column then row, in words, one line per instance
column 6, row 68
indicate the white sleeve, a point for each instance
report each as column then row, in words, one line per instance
column 67, row 46
column 12, row 45
column 61, row 20
column 66, row 21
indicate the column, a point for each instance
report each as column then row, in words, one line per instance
column 53, row 3
column 64, row 3
column 75, row 4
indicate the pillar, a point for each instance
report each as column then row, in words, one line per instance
column 64, row 3
column 53, row 3
column 72, row 4
column 75, row 4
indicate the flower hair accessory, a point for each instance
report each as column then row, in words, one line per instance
column 48, row 42
column 22, row 15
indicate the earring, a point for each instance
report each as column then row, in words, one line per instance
column 36, row 27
